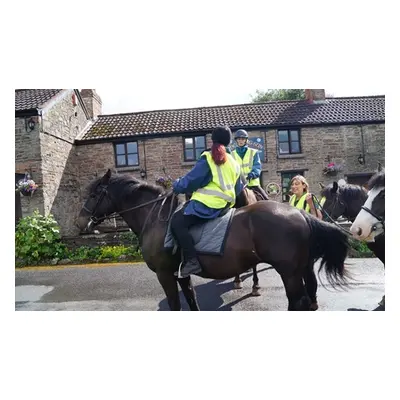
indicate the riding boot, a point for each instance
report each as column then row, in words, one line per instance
column 180, row 228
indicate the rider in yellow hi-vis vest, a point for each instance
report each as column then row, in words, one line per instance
column 249, row 161
column 302, row 198
column 215, row 183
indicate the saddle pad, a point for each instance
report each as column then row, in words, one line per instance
column 209, row 238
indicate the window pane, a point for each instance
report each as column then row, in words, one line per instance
column 295, row 147
column 283, row 136
column 189, row 155
column 284, row 148
column 133, row 159
column 294, row 135
column 200, row 141
column 120, row 149
column 198, row 153
column 189, row 143
column 121, row 160
column 132, row 147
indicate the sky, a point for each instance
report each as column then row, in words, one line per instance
column 140, row 97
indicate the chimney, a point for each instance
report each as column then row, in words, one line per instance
column 315, row 95
column 92, row 102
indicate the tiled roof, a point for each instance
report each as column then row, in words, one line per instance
column 27, row 99
column 277, row 113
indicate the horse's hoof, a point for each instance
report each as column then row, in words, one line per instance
column 237, row 285
column 256, row 292
column 314, row 306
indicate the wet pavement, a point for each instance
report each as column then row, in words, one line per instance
column 133, row 287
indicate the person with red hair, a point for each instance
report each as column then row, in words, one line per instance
column 214, row 183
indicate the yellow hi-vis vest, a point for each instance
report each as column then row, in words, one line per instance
column 221, row 189
column 300, row 203
column 246, row 165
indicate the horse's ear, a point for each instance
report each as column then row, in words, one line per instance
column 335, row 187
column 105, row 179
column 321, row 185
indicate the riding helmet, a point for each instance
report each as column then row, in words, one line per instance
column 222, row 135
column 241, row 133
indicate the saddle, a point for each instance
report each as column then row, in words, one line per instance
column 209, row 237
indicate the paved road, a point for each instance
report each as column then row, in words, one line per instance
column 135, row 288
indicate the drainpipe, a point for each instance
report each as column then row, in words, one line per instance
column 144, row 154
column 362, row 144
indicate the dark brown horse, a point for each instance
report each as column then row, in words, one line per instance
column 286, row 238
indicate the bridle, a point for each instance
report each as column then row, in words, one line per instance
column 104, row 193
column 381, row 220
column 333, row 207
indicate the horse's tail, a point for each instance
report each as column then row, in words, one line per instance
column 330, row 244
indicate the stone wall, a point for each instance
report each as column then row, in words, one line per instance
column 47, row 153
column 61, row 124
column 28, row 160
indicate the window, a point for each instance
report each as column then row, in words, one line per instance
column 286, row 178
column 193, row 147
column 126, row 154
column 289, row 141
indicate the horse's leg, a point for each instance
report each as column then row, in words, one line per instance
column 310, row 280
column 296, row 292
column 256, row 287
column 189, row 293
column 168, row 283
column 237, row 283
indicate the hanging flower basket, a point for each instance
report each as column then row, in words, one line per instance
column 165, row 182
column 331, row 169
column 26, row 186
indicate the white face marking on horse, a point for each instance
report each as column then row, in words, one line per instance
column 364, row 222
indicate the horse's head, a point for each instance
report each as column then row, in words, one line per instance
column 370, row 221
column 98, row 205
column 245, row 198
column 334, row 204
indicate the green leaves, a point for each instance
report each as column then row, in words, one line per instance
column 278, row 94
column 38, row 238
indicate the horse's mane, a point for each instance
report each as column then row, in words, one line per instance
column 347, row 191
column 378, row 180
column 129, row 184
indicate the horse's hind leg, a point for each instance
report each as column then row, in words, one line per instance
column 168, row 283
column 237, row 283
column 256, row 287
column 189, row 293
column 296, row 293
column 311, row 283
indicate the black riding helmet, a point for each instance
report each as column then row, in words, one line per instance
column 222, row 135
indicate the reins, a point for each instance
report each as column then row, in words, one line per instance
column 330, row 218
column 156, row 200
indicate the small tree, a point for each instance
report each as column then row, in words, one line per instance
column 278, row 94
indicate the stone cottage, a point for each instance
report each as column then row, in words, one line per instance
column 70, row 142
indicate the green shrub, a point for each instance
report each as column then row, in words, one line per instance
column 38, row 238
column 360, row 249
column 84, row 253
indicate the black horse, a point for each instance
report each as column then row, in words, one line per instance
column 347, row 201
column 286, row 238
